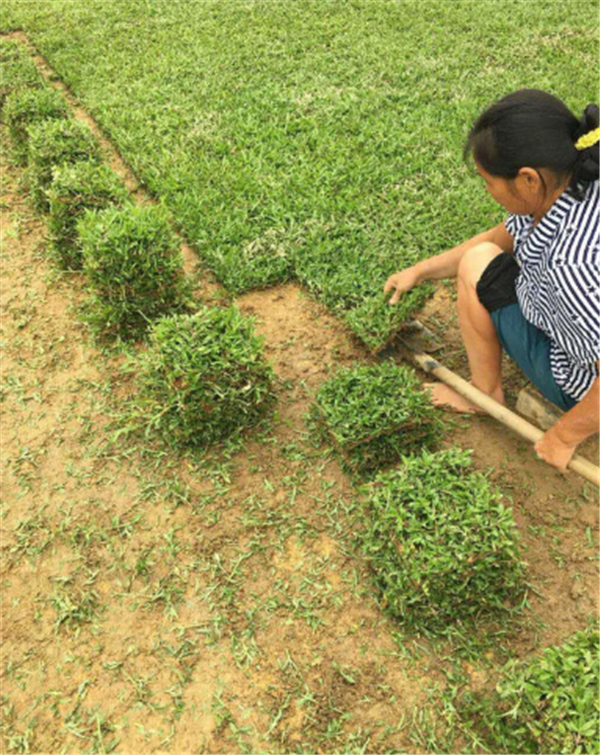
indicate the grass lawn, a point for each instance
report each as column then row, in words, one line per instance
column 312, row 140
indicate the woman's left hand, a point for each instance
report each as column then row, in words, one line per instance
column 551, row 449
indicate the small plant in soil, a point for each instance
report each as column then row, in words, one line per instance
column 24, row 108
column 442, row 544
column 204, row 377
column 74, row 605
column 74, row 189
column 134, row 265
column 545, row 704
column 373, row 415
column 17, row 70
column 53, row 143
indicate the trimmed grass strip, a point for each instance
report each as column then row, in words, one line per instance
column 25, row 107
column 17, row 70
column 74, row 189
column 53, row 143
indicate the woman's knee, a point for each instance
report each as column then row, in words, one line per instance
column 475, row 260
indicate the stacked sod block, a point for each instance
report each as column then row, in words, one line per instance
column 548, row 703
column 23, row 109
column 17, row 70
column 372, row 415
column 442, row 544
column 204, row 377
column 74, row 189
column 53, row 143
column 134, row 266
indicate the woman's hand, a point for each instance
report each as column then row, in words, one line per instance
column 553, row 450
column 557, row 445
column 401, row 282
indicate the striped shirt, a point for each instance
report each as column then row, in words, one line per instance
column 558, row 286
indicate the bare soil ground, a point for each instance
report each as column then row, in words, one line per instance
column 154, row 602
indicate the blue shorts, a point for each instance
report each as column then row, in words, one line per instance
column 525, row 344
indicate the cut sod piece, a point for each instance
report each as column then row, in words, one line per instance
column 24, row 108
column 74, row 189
column 344, row 269
column 204, row 377
column 17, row 69
column 376, row 323
column 375, row 414
column 443, row 546
column 546, row 704
column 53, row 143
column 134, row 265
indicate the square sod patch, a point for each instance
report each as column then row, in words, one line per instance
column 204, row 377
column 443, row 545
column 75, row 188
column 24, row 108
column 133, row 263
column 373, row 415
column 53, row 142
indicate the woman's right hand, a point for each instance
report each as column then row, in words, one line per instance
column 400, row 283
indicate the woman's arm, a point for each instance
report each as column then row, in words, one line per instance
column 558, row 444
column 444, row 265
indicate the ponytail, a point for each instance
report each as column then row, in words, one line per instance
column 534, row 129
column 585, row 168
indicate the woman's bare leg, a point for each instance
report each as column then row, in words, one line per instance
column 478, row 333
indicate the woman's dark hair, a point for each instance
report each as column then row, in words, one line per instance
column 534, row 129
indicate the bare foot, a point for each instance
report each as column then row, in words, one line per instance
column 443, row 395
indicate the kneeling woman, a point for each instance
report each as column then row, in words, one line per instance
column 530, row 285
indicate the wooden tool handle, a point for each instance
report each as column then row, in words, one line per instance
column 525, row 429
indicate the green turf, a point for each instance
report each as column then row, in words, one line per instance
column 548, row 704
column 75, row 188
column 55, row 142
column 442, row 543
column 17, row 70
column 374, row 415
column 317, row 140
column 25, row 107
column 134, row 267
column 204, row 377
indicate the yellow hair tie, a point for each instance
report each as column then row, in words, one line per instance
column 587, row 140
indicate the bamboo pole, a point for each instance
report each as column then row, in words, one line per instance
column 525, row 429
